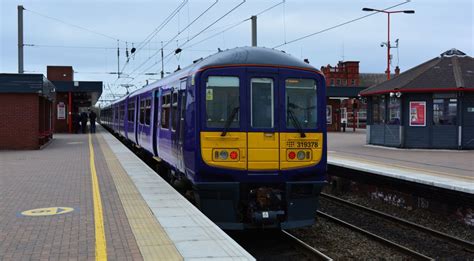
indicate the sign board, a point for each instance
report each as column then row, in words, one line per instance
column 328, row 114
column 418, row 113
column 61, row 111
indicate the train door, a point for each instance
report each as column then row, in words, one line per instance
column 263, row 131
column 156, row 121
column 181, row 98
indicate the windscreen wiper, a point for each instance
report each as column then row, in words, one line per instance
column 296, row 122
column 229, row 120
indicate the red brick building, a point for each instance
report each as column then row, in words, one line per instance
column 26, row 111
column 32, row 107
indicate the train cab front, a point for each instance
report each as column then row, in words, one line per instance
column 262, row 147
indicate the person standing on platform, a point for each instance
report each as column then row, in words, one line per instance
column 92, row 117
column 84, row 121
column 75, row 122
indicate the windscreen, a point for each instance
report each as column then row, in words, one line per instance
column 222, row 101
column 301, row 103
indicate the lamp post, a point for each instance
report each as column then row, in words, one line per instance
column 388, row 31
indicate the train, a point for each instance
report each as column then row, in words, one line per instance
column 242, row 133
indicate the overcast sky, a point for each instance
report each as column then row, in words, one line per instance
column 437, row 25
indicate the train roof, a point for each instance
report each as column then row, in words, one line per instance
column 257, row 56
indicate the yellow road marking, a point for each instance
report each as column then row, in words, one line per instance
column 437, row 173
column 46, row 211
column 100, row 245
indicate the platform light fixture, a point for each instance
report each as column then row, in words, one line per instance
column 388, row 31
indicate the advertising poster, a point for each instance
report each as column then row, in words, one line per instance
column 328, row 114
column 418, row 113
column 61, row 111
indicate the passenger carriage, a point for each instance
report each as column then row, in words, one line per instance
column 244, row 130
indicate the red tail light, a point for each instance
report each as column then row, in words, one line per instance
column 291, row 155
column 234, row 155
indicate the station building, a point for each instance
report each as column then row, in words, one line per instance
column 429, row 106
column 344, row 83
column 25, row 110
column 33, row 107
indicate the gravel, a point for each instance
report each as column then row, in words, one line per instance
column 341, row 243
column 406, row 236
column 446, row 224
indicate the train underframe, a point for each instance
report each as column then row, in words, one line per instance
column 238, row 206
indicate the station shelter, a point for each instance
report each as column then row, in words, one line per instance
column 33, row 107
column 25, row 111
column 72, row 97
column 429, row 106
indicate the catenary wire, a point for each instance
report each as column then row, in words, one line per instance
column 338, row 25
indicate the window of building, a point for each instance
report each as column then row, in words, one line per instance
column 445, row 111
column 378, row 109
column 344, row 82
column 353, row 82
column 222, row 101
column 165, row 111
column 394, row 111
column 332, row 82
column 338, row 82
column 131, row 112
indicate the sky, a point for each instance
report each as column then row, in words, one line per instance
column 85, row 34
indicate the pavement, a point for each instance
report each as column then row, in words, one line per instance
column 452, row 169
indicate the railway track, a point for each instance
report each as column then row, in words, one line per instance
column 276, row 245
column 311, row 251
column 395, row 231
column 385, row 241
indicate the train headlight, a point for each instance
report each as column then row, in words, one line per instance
column 224, row 154
column 301, row 155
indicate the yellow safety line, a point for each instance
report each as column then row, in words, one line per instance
column 437, row 173
column 100, row 245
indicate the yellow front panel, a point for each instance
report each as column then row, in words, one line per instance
column 263, row 151
column 294, row 142
column 233, row 140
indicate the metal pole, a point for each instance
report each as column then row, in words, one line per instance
column 118, row 59
column 162, row 62
column 254, row 30
column 20, row 39
column 388, row 47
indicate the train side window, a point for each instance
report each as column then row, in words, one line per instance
column 174, row 111
column 147, row 111
column 142, row 111
column 131, row 111
column 165, row 111
column 121, row 113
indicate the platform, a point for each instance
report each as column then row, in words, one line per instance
column 88, row 197
column 448, row 169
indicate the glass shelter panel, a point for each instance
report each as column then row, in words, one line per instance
column 445, row 111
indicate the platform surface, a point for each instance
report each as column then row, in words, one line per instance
column 48, row 207
column 449, row 169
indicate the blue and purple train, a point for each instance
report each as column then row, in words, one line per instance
column 242, row 132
